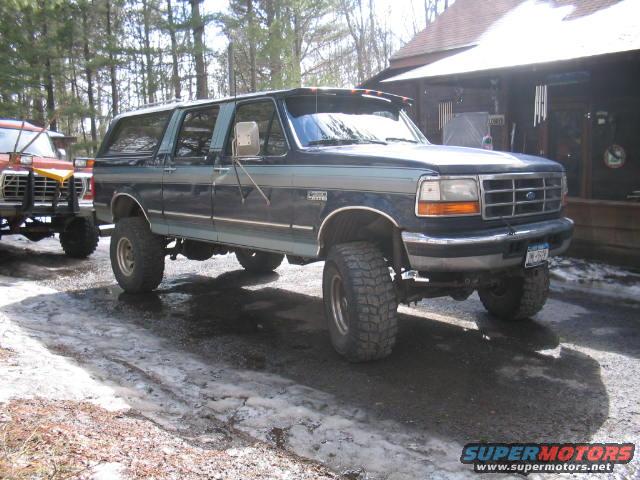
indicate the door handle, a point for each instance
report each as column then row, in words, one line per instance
column 220, row 169
column 169, row 169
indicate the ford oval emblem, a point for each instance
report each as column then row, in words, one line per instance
column 530, row 195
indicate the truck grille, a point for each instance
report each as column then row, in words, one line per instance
column 519, row 195
column 44, row 189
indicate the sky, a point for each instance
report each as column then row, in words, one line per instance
column 401, row 14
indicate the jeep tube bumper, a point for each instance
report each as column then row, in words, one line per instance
column 493, row 249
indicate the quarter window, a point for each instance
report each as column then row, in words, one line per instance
column 195, row 136
column 138, row 135
column 272, row 139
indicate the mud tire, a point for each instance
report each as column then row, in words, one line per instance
column 258, row 262
column 518, row 298
column 80, row 238
column 147, row 251
column 359, row 301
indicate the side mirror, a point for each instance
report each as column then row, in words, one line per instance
column 247, row 143
column 62, row 153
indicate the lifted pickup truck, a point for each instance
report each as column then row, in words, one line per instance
column 337, row 175
column 41, row 193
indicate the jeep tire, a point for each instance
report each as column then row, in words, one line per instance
column 359, row 301
column 137, row 255
column 259, row 262
column 519, row 297
column 80, row 238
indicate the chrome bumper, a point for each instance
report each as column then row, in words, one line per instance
column 485, row 250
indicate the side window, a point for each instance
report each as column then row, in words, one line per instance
column 272, row 139
column 192, row 145
column 138, row 135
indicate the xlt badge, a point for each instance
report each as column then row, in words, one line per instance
column 317, row 196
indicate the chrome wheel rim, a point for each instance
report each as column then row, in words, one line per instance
column 124, row 254
column 339, row 305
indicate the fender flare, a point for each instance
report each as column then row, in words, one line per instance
column 133, row 197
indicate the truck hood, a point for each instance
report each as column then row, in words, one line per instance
column 444, row 160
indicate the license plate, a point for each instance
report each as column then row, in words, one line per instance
column 537, row 254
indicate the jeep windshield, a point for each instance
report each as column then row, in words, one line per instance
column 346, row 120
column 41, row 147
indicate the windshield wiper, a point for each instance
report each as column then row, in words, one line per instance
column 397, row 139
column 343, row 141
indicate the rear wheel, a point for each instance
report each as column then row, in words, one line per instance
column 259, row 262
column 518, row 297
column 80, row 238
column 359, row 301
column 137, row 255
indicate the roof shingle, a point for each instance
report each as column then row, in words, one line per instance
column 464, row 22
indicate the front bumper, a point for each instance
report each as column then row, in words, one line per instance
column 45, row 209
column 493, row 249
column 25, row 193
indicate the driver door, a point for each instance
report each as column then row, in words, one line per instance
column 242, row 216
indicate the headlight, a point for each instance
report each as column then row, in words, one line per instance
column 83, row 162
column 447, row 196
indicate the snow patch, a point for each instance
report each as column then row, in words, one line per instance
column 601, row 278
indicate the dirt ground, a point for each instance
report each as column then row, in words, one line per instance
column 224, row 373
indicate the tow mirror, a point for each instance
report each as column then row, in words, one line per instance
column 247, row 141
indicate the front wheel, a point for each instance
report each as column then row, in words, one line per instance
column 80, row 238
column 137, row 255
column 259, row 262
column 359, row 301
column 518, row 297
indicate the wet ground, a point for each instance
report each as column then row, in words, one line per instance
column 216, row 349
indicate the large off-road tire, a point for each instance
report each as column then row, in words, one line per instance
column 137, row 255
column 519, row 297
column 359, row 301
column 80, row 238
column 259, row 262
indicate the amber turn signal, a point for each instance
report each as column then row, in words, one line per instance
column 448, row 208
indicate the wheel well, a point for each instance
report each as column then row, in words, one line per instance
column 126, row 206
column 354, row 225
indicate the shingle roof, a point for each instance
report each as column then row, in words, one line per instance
column 464, row 22
column 537, row 32
column 459, row 26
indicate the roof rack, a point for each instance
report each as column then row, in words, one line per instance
column 154, row 104
column 352, row 91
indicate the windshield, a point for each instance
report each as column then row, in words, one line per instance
column 343, row 120
column 41, row 147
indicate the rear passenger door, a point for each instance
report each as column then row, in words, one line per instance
column 188, row 175
column 129, row 165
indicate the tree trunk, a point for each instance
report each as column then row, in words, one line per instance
column 48, row 75
column 151, row 82
column 89, row 74
column 175, row 77
column 253, row 70
column 197, row 27
column 115, row 107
